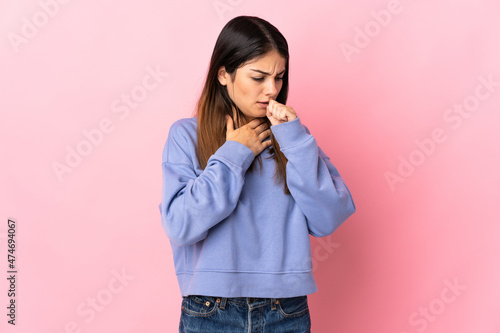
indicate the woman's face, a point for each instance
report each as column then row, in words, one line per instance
column 255, row 83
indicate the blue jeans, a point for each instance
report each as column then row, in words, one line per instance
column 212, row 314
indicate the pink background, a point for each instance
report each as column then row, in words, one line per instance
column 388, row 269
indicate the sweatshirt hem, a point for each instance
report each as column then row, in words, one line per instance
column 247, row 284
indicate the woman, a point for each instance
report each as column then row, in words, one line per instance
column 244, row 184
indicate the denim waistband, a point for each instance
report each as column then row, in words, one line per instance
column 248, row 301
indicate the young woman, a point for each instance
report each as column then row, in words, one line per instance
column 244, row 184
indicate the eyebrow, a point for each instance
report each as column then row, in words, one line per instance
column 262, row 72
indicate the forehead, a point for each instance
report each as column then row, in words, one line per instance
column 271, row 61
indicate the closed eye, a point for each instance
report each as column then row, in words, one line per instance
column 261, row 78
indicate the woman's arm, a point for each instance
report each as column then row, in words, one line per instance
column 192, row 204
column 313, row 180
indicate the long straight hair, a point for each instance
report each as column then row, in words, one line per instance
column 244, row 38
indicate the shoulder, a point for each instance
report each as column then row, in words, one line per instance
column 181, row 138
column 184, row 126
column 183, row 130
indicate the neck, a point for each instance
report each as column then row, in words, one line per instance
column 243, row 118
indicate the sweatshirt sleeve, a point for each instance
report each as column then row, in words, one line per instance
column 313, row 181
column 191, row 204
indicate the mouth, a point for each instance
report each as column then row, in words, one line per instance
column 263, row 104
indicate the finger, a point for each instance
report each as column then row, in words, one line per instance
column 276, row 104
column 265, row 134
column 270, row 108
column 277, row 113
column 283, row 114
column 278, row 108
column 262, row 127
column 267, row 143
column 271, row 105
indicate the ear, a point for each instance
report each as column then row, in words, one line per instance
column 222, row 75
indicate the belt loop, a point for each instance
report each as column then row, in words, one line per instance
column 223, row 302
column 273, row 303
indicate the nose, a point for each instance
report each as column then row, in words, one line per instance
column 271, row 88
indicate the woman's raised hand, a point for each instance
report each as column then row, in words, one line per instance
column 279, row 113
column 251, row 135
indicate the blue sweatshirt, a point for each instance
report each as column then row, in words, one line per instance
column 236, row 233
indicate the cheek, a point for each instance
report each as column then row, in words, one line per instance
column 245, row 96
column 247, row 90
column 279, row 85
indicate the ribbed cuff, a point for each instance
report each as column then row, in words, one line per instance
column 236, row 153
column 290, row 134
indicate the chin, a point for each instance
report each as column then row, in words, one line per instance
column 261, row 113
